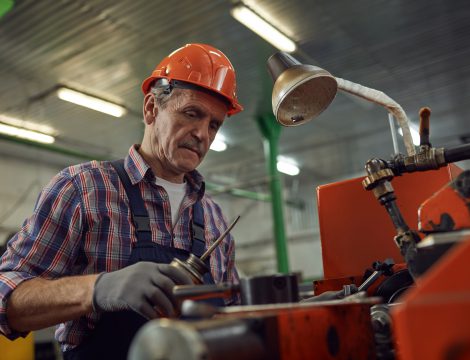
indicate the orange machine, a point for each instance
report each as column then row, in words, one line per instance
column 439, row 306
column 432, row 321
column 354, row 229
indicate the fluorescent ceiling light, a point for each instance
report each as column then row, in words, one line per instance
column 414, row 134
column 91, row 102
column 219, row 143
column 26, row 134
column 258, row 25
column 28, row 125
column 287, row 166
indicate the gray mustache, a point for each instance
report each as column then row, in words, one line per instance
column 194, row 145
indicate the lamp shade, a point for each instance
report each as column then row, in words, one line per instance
column 301, row 92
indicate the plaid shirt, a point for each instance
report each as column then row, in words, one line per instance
column 82, row 225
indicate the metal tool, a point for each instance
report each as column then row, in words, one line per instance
column 379, row 269
column 205, row 291
column 194, row 266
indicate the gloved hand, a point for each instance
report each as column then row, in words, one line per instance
column 144, row 287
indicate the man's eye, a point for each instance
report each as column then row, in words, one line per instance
column 191, row 114
column 215, row 125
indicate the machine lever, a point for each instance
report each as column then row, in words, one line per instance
column 424, row 115
column 380, row 268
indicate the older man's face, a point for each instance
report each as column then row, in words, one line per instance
column 184, row 130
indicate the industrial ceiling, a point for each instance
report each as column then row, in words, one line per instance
column 417, row 52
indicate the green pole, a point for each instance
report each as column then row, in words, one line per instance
column 271, row 131
column 5, row 6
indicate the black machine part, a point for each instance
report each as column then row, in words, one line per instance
column 379, row 269
column 256, row 290
column 270, row 289
column 394, row 285
column 434, row 246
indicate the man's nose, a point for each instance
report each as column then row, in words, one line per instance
column 201, row 131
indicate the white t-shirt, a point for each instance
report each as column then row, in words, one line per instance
column 175, row 193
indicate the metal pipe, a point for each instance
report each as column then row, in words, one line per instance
column 52, row 148
column 457, row 153
column 394, row 134
column 391, row 105
column 395, row 214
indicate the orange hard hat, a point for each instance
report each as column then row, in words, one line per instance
column 201, row 65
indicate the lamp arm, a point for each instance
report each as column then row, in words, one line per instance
column 381, row 98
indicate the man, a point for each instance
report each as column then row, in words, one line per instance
column 94, row 255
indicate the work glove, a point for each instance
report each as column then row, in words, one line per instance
column 144, row 287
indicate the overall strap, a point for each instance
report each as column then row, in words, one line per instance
column 199, row 243
column 140, row 217
column 139, row 214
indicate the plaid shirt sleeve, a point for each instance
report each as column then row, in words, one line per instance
column 46, row 245
column 223, row 258
column 232, row 273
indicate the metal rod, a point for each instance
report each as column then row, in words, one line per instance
column 221, row 237
column 397, row 218
column 369, row 281
column 394, row 133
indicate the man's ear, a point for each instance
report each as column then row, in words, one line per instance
column 150, row 109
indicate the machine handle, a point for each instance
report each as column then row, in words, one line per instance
column 457, row 153
column 424, row 116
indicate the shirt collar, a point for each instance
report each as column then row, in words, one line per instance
column 138, row 169
column 135, row 165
